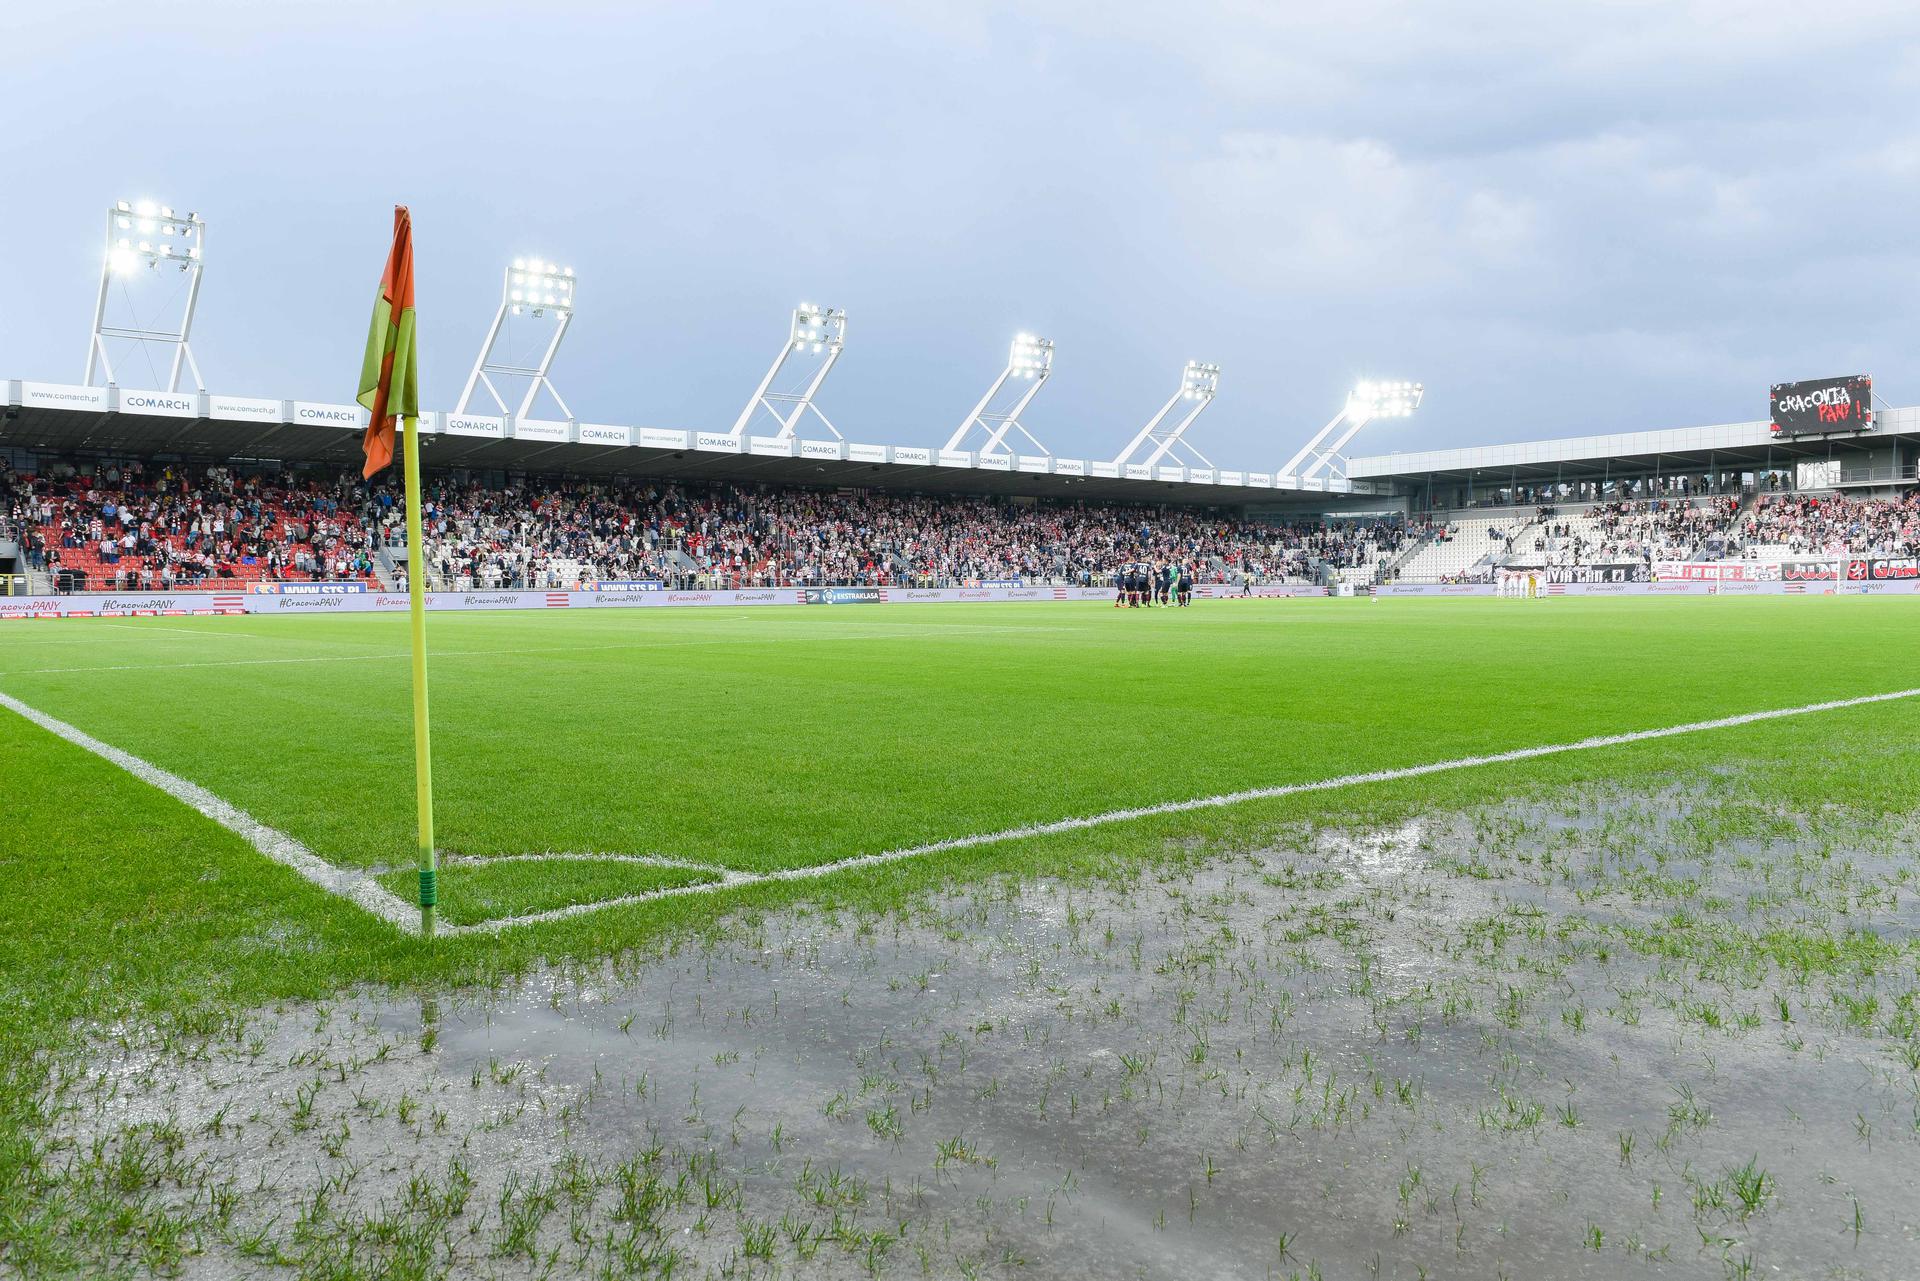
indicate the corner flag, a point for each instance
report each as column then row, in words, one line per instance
column 390, row 389
column 389, row 376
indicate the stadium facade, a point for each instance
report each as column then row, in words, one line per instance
column 1726, row 457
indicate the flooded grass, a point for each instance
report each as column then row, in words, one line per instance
column 1670, row 1032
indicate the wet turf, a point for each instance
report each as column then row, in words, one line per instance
column 1686, row 963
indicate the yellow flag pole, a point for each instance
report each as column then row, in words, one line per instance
column 422, row 740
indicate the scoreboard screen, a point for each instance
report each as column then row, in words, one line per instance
column 1823, row 405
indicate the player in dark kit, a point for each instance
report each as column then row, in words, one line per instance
column 1165, row 586
column 1185, row 585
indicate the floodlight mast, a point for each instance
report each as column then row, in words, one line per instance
column 1029, row 361
column 144, row 236
column 1369, row 400
column 1199, row 383
column 818, row 331
column 529, row 287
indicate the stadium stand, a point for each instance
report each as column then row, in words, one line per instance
column 559, row 535
column 139, row 525
column 133, row 526
column 1769, row 526
column 1462, row 548
column 1786, row 525
column 1628, row 532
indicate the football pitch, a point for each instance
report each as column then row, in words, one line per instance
column 621, row 784
column 742, row 741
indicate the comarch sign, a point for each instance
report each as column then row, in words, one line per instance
column 473, row 425
column 314, row 414
column 162, row 404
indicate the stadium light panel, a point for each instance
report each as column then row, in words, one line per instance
column 539, row 286
column 1030, row 357
column 147, row 245
column 1199, row 381
column 817, row 328
column 1384, row 399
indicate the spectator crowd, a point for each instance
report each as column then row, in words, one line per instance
column 562, row 534
column 147, row 525
column 1634, row 532
column 1830, row 524
column 137, row 526
column 133, row 525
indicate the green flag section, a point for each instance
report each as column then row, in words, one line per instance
column 389, row 375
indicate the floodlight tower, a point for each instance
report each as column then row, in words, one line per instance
column 144, row 237
column 538, row 290
column 1030, row 361
column 1368, row 401
column 1198, row 384
column 816, row 331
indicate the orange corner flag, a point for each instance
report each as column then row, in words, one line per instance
column 389, row 374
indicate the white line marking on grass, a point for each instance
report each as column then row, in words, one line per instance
column 436, row 654
column 1181, row 807
column 214, row 662
column 358, row 888
column 223, row 634
column 275, row 844
column 714, row 870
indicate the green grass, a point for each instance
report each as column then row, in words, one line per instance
column 768, row 740
column 765, row 739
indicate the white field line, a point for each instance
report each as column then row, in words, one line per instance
column 358, row 888
column 276, row 845
column 719, row 873
column 197, row 634
column 1181, row 807
column 956, row 629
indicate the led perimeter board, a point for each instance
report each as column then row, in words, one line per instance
column 1821, row 405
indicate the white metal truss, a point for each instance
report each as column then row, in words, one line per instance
column 1369, row 400
column 1199, row 383
column 535, row 289
column 816, row 331
column 1030, row 361
column 148, row 238
column 1322, row 457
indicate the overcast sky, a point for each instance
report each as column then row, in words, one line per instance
column 1565, row 218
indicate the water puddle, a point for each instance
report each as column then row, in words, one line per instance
column 1425, row 1052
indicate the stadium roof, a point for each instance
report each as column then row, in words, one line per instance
column 1587, row 457
column 69, row 418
